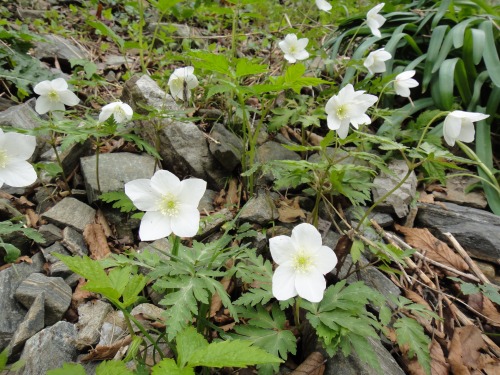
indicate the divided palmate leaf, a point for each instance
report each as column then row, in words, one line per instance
column 410, row 333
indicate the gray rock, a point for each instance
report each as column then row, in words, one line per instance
column 70, row 212
column 211, row 223
column 50, row 233
column 44, row 199
column 70, row 157
column 50, row 349
column 227, row 147
column 115, row 170
column 259, row 209
column 62, row 48
column 476, row 230
column 272, row 151
column 402, row 197
column 57, row 295
column 59, row 269
column 49, row 252
column 353, row 216
column 90, row 319
column 455, row 192
column 182, row 146
column 33, row 323
column 207, row 201
column 72, row 280
column 11, row 311
column 74, row 242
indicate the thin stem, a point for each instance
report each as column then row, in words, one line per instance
column 471, row 154
column 175, row 245
column 53, row 142
column 97, row 153
column 296, row 311
column 426, row 129
column 234, row 28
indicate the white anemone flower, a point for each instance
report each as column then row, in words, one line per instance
column 15, row 149
column 171, row 205
column 54, row 95
column 375, row 61
column 458, row 126
column 120, row 111
column 302, row 261
column 181, row 82
column 323, row 5
column 294, row 49
column 404, row 82
column 348, row 106
column 375, row 20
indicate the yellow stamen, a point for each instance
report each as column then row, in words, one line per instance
column 169, row 205
column 302, row 262
column 3, row 159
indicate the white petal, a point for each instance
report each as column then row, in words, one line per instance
column 192, row 81
column 187, row 222
column 374, row 28
column 290, row 58
column 189, row 70
column 451, row 129
column 69, row 98
column 291, row 38
column 144, row 197
column 165, row 182
column 176, row 88
column 42, row 88
column 282, row 249
column 191, row 191
column 467, row 132
column 375, row 9
column 59, row 84
column 343, row 130
column 310, row 286
column 473, row 116
column 106, row 113
column 302, row 43
column 18, row 173
column 284, row 283
column 19, row 146
column 346, row 93
column 154, row 225
column 403, row 76
column 323, row 5
column 401, row 89
column 43, row 105
column 326, row 260
column 306, row 237
column 302, row 55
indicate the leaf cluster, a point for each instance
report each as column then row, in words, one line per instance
column 7, row 228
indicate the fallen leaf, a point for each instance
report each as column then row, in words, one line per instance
column 465, row 347
column 423, row 240
column 232, row 196
column 80, row 295
column 96, row 240
column 216, row 304
column 101, row 219
column 314, row 364
column 483, row 305
column 439, row 366
column 426, row 198
column 289, row 210
column 103, row 352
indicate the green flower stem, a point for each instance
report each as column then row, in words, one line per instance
column 426, row 129
column 472, row 155
column 234, row 27
column 97, row 153
column 296, row 311
column 175, row 245
column 53, row 142
column 203, row 309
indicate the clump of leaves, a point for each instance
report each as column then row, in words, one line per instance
column 8, row 227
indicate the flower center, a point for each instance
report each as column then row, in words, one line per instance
column 3, row 159
column 53, row 96
column 302, row 262
column 293, row 49
column 342, row 111
column 169, row 205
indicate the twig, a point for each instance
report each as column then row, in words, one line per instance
column 473, row 266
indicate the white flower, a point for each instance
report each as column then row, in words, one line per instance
column 170, row 204
column 15, row 149
column 53, row 96
column 458, row 125
column 375, row 62
column 181, row 82
column 348, row 106
column 403, row 83
column 121, row 112
column 323, row 5
column 302, row 261
column 375, row 20
column 294, row 49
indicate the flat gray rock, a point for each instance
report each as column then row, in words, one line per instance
column 90, row 319
column 115, row 170
column 74, row 242
column 259, row 209
column 182, row 145
column 55, row 45
column 226, row 147
column 57, row 295
column 70, row 212
column 50, row 233
column 55, row 248
column 12, row 312
column 272, row 151
column 49, row 349
column 478, row 231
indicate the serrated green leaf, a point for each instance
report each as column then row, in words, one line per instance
column 119, row 278
column 410, row 333
column 68, row 368
column 357, row 249
column 365, row 351
column 112, row 368
column 220, row 89
column 211, row 61
column 188, row 342
column 119, row 199
column 234, row 353
column 245, row 67
column 106, row 31
column 167, row 366
column 491, row 292
column 134, row 286
column 468, row 288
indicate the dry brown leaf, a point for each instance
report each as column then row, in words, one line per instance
column 483, row 305
column 426, row 198
column 289, row 211
column 80, row 295
column 103, row 352
column 96, row 240
column 216, row 304
column 465, row 349
column 232, row 196
column 314, row 364
column 101, row 219
column 439, row 366
column 423, row 240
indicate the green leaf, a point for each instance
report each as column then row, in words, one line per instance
column 167, row 366
column 410, row 333
column 69, row 368
column 120, row 199
column 491, row 292
column 234, row 353
column 435, row 43
column 188, row 342
column 4, row 356
column 220, row 89
column 11, row 251
column 211, row 62
column 112, row 368
column 119, row 278
column 490, row 53
column 106, row 31
column 135, row 285
column 244, row 67
column 364, row 350
column 356, row 250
